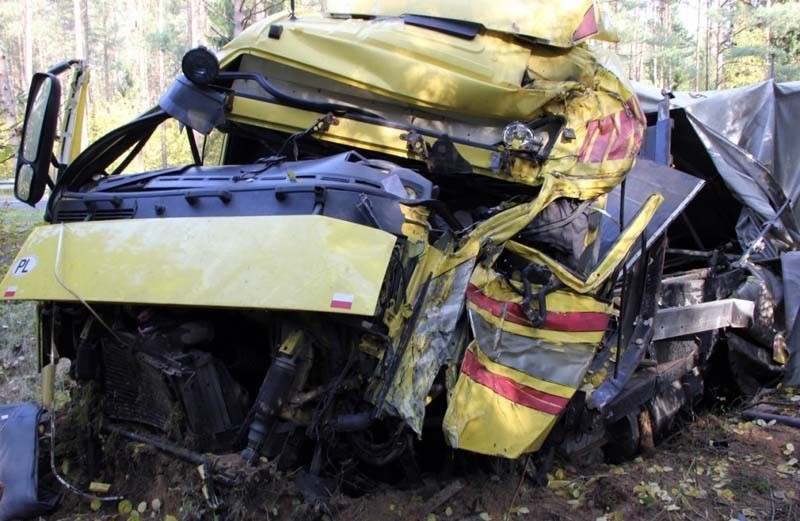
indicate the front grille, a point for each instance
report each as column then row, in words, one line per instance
column 136, row 391
column 103, row 214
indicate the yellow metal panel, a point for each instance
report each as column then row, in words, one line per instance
column 482, row 81
column 498, row 287
column 311, row 263
column 411, row 65
column 554, row 22
column 613, row 258
column 378, row 138
column 547, row 335
column 481, row 421
column 74, row 131
column 563, row 391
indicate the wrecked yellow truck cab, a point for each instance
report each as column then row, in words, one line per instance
column 405, row 226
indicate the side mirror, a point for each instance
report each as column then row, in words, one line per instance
column 38, row 136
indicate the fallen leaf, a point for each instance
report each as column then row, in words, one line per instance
column 155, row 505
column 485, row 516
column 124, row 506
column 726, row 494
column 98, row 487
column 448, row 511
column 95, row 505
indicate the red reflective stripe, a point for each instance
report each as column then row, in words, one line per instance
column 633, row 105
column 629, row 127
column 638, row 132
column 571, row 321
column 587, row 27
column 591, row 129
column 510, row 389
column 598, row 152
column 619, row 149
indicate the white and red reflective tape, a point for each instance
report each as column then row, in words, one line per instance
column 342, row 301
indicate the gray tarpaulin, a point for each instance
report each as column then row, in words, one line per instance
column 751, row 134
column 790, row 267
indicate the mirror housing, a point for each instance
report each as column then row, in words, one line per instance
column 32, row 173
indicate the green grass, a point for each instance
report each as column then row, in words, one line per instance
column 18, row 376
column 15, row 225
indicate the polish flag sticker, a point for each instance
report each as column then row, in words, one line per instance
column 10, row 292
column 342, row 301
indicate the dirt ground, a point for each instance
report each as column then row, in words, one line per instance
column 717, row 467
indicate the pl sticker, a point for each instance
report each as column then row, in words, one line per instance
column 24, row 266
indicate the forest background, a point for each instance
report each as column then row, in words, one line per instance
column 134, row 48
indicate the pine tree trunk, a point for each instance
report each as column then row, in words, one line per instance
column 238, row 17
column 28, row 40
column 708, row 45
column 161, row 81
column 9, row 107
column 697, row 45
column 190, row 21
column 85, row 28
column 770, row 56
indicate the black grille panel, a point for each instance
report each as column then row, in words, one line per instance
column 136, row 391
column 77, row 215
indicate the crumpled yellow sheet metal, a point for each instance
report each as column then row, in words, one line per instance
column 489, row 81
column 513, row 373
column 432, row 344
column 602, row 111
column 517, row 378
column 557, row 23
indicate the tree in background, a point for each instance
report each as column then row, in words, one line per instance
column 707, row 44
column 764, row 42
column 230, row 17
column 134, row 47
